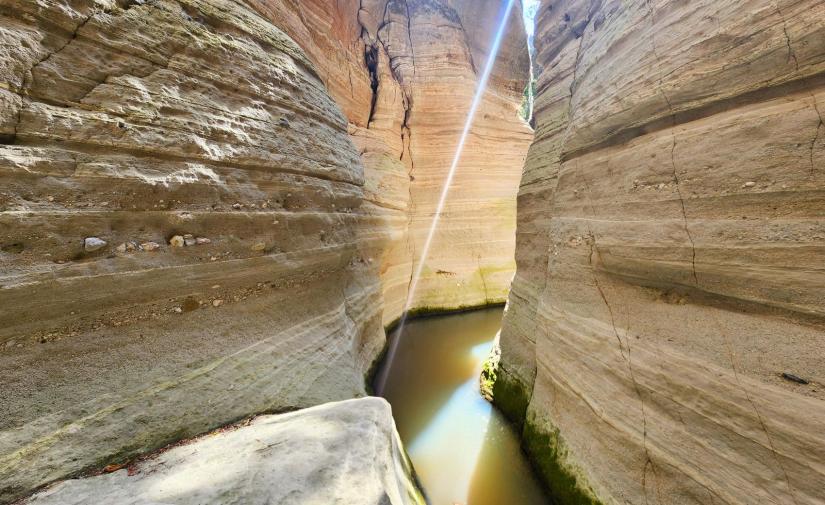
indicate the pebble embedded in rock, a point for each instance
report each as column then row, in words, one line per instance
column 202, row 241
column 749, row 184
column 260, row 246
column 217, row 303
column 121, row 248
column 91, row 244
column 189, row 241
column 177, row 241
column 150, row 246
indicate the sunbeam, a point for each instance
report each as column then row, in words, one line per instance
column 445, row 191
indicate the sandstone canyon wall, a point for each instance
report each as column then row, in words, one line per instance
column 209, row 209
column 670, row 247
column 140, row 124
column 404, row 72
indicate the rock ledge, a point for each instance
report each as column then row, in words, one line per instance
column 345, row 453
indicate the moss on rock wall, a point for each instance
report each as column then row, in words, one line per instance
column 548, row 452
column 542, row 441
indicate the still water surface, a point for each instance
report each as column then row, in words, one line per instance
column 464, row 451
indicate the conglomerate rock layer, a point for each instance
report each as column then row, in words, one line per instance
column 182, row 232
column 209, row 209
column 664, row 337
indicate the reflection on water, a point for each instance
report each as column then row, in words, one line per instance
column 463, row 450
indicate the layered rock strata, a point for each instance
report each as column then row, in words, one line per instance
column 183, row 242
column 346, row 452
column 404, row 72
column 204, row 205
column 664, row 338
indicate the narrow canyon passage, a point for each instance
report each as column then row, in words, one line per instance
column 464, row 451
column 213, row 212
column 210, row 211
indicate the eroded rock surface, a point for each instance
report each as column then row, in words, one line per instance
column 195, row 142
column 203, row 204
column 671, row 235
column 346, row 453
column 404, row 72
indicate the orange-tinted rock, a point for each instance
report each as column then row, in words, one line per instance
column 156, row 123
column 273, row 144
column 422, row 59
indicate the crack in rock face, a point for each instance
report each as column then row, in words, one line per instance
column 218, row 205
column 679, row 169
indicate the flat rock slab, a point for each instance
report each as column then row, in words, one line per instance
column 344, row 453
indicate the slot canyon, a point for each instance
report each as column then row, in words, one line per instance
column 473, row 252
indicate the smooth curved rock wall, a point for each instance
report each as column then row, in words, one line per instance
column 347, row 453
column 404, row 72
column 139, row 124
column 671, row 232
column 210, row 209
